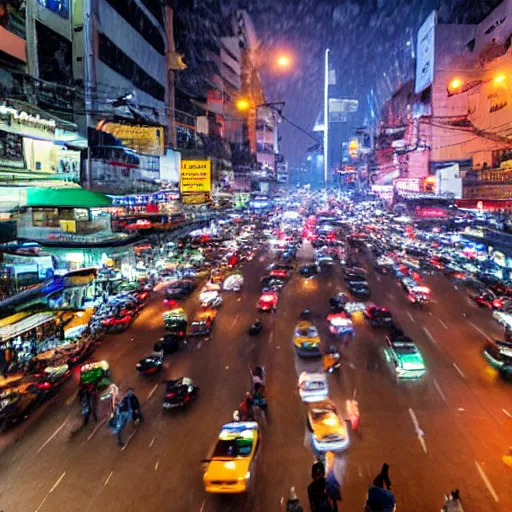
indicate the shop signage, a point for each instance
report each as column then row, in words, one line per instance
column 195, row 198
column 353, row 148
column 14, row 118
column 195, row 176
column 11, row 150
column 146, row 140
column 425, row 53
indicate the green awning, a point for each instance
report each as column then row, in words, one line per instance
column 66, row 198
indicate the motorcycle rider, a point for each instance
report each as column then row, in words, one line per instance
column 258, row 398
column 246, row 412
column 330, row 359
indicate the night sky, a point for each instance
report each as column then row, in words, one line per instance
column 372, row 43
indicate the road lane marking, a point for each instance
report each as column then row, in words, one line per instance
column 488, row 484
column 507, row 413
column 459, row 371
column 96, row 428
column 443, row 324
column 420, row 434
column 202, row 506
column 51, row 490
column 410, row 316
column 129, row 439
column 483, row 333
column 430, row 337
column 157, row 464
column 152, row 442
column 271, row 338
column 439, row 390
column 52, row 436
column 236, row 319
column 378, row 278
column 152, row 392
column 108, row 478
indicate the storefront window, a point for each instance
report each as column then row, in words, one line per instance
column 45, row 217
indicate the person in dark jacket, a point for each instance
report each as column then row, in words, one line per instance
column 87, row 399
column 317, row 490
column 134, row 405
column 382, row 479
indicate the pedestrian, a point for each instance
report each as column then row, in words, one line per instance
column 88, row 403
column 317, row 490
column 134, row 406
column 119, row 420
column 293, row 505
column 3, row 364
column 382, row 479
column 333, row 486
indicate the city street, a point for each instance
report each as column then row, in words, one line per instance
column 446, row 431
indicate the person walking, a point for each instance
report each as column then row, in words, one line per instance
column 332, row 484
column 382, row 479
column 133, row 406
column 317, row 490
column 88, row 403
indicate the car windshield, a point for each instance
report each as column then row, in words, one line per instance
column 308, row 332
column 320, row 414
column 237, row 447
column 405, row 348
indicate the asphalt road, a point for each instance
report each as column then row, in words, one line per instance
column 446, row 431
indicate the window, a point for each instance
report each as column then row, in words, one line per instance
column 117, row 60
column 134, row 15
column 45, row 217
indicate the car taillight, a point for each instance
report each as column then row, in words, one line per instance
column 44, row 385
column 180, row 333
column 170, row 395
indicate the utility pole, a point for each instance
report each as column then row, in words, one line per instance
column 326, row 117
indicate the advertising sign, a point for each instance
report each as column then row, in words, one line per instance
column 339, row 108
column 12, row 16
column 195, row 198
column 59, row 7
column 195, row 176
column 11, row 150
column 449, row 181
column 146, row 140
column 425, row 53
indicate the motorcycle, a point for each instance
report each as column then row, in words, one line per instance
column 150, row 365
column 256, row 328
column 332, row 361
column 452, row 502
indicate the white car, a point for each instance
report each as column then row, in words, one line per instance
column 505, row 319
column 211, row 299
column 313, row 386
column 233, row 283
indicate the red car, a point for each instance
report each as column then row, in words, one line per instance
column 268, row 301
column 118, row 322
column 280, row 273
column 489, row 300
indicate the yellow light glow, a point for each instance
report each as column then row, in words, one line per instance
column 455, row 84
column 331, row 422
column 243, row 104
column 283, row 61
column 229, row 464
column 499, row 79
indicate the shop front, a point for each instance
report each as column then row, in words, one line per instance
column 35, row 147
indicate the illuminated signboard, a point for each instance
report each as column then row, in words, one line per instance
column 195, row 176
column 146, row 140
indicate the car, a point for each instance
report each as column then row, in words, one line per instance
column 329, row 431
column 202, row 323
column 408, row 283
column 271, row 282
column 179, row 392
column 325, row 260
column 504, row 319
column 359, row 288
column 354, row 274
column 171, row 342
column 306, row 340
column 180, row 290
column 489, row 300
column 233, row 283
column 313, row 386
column 340, row 324
column 268, row 301
column 309, row 270
column 378, row 317
column 211, row 299
column 498, row 354
column 280, row 273
column 175, row 320
column 405, row 358
column 230, row 468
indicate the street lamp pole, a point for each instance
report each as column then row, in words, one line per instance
column 326, row 116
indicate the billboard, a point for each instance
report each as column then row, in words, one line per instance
column 59, row 7
column 195, row 176
column 146, row 140
column 425, row 53
column 339, row 108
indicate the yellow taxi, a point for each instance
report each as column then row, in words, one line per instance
column 306, row 340
column 329, row 432
column 228, row 470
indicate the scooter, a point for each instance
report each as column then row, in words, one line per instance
column 150, row 365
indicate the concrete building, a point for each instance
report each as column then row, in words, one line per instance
column 120, row 62
column 461, row 114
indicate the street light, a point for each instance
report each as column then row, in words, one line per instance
column 283, row 61
column 243, row 104
column 458, row 86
